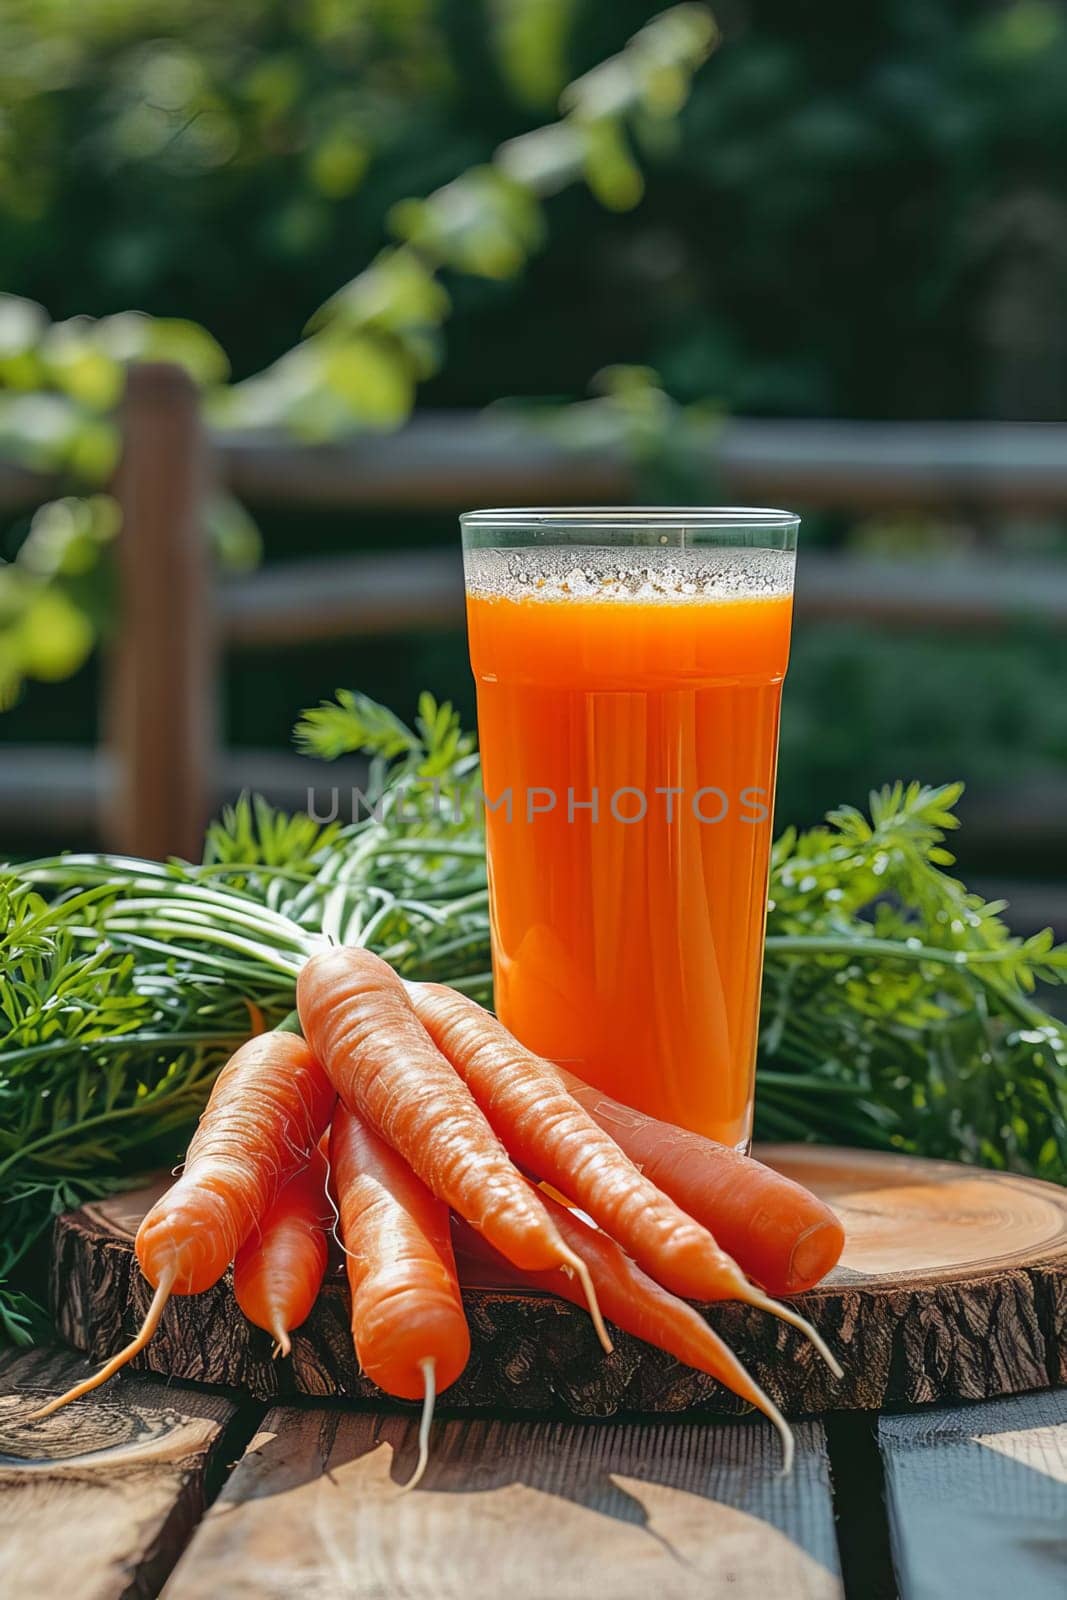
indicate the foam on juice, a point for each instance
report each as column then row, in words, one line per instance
column 644, row 573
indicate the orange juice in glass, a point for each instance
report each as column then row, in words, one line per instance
column 629, row 667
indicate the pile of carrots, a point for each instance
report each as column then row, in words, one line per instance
column 407, row 1122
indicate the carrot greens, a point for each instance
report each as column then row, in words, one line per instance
column 886, row 978
column 104, row 1065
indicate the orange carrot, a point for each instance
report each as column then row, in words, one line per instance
column 549, row 1133
column 634, row 1302
column 776, row 1230
column 408, row 1325
column 278, row 1271
column 358, row 1020
column 269, row 1105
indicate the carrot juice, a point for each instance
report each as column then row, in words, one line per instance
column 628, row 700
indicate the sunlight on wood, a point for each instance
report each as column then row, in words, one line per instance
column 684, row 1510
column 1043, row 1450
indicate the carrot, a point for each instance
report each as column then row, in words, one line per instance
column 408, row 1326
column 779, row 1232
column 527, row 1101
column 267, row 1109
column 278, row 1271
column 358, row 1020
column 638, row 1304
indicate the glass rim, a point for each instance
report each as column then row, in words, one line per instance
column 626, row 518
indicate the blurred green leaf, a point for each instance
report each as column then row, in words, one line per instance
column 611, row 172
column 22, row 323
column 233, row 533
column 53, row 637
column 78, row 365
column 184, row 343
column 396, row 294
column 1015, row 33
column 93, row 450
column 531, row 38
column 483, row 223
column 366, row 376
column 66, row 536
column 338, row 163
column 632, row 417
column 36, row 429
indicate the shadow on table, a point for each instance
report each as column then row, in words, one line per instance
column 603, row 1467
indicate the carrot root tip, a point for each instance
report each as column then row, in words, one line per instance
column 572, row 1262
column 429, row 1398
column 282, row 1343
column 784, row 1431
column 108, row 1370
column 785, row 1313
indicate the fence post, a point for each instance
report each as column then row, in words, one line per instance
column 160, row 711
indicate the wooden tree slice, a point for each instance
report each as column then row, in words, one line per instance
column 953, row 1286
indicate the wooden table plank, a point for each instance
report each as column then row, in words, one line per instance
column 517, row 1509
column 977, row 1499
column 98, row 1499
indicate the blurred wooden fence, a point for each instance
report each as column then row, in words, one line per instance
column 161, row 769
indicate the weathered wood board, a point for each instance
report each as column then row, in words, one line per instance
column 977, row 1499
column 522, row 1509
column 96, row 1501
column 953, row 1286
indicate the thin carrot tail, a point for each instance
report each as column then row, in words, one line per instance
column 731, row 1371
column 572, row 1262
column 756, row 1297
column 429, row 1400
column 108, row 1370
column 282, row 1343
column 774, row 1416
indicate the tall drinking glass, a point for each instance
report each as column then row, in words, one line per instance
column 629, row 666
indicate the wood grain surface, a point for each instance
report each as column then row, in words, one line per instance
column 96, row 1501
column 953, row 1286
column 977, row 1499
column 519, row 1509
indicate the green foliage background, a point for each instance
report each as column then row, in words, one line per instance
column 858, row 211
column 830, row 231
